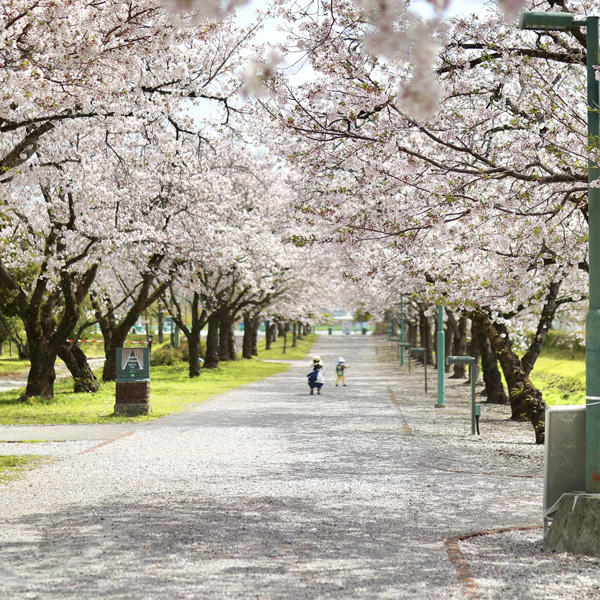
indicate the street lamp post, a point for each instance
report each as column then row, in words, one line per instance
column 441, row 360
column 402, row 340
column 545, row 21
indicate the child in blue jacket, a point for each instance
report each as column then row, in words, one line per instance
column 315, row 377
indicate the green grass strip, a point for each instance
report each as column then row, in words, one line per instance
column 171, row 390
column 560, row 378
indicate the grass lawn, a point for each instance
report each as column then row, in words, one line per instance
column 561, row 377
column 11, row 366
column 171, row 390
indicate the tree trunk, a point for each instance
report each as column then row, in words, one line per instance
column 544, row 325
column 494, row 388
column 425, row 335
column 267, row 336
column 249, row 341
column 294, row 334
column 231, row 343
column 84, row 379
column 41, row 376
column 473, row 349
column 225, row 333
column 114, row 337
column 161, row 323
column 247, row 338
column 412, row 334
column 194, row 355
column 459, row 343
column 525, row 399
column 255, row 328
column 211, row 360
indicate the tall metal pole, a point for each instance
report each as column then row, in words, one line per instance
column 441, row 359
column 592, row 328
column 401, row 330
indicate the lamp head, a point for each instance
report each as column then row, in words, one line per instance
column 548, row 21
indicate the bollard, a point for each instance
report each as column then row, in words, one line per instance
column 422, row 351
column 403, row 346
column 471, row 361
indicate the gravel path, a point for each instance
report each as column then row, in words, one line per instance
column 267, row 492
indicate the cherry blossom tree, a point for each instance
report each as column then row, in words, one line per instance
column 91, row 92
column 485, row 202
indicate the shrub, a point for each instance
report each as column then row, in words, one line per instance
column 169, row 355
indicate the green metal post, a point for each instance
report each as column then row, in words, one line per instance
column 473, row 404
column 401, row 330
column 441, row 359
column 425, row 365
column 592, row 328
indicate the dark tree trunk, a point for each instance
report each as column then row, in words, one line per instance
column 494, row 388
column 267, row 336
column 41, row 377
column 412, row 334
column 473, row 348
column 212, row 342
column 294, row 334
column 225, row 335
column 115, row 332
column 232, row 346
column 544, row 325
column 193, row 335
column 459, row 343
column 249, row 341
column 255, row 329
column 247, row 338
column 114, row 337
column 425, row 335
column 525, row 399
column 161, row 324
column 84, row 379
column 194, row 355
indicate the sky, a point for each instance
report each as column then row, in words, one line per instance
column 270, row 34
column 457, row 7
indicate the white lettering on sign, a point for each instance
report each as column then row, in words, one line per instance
column 133, row 360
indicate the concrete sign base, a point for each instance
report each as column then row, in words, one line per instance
column 132, row 398
column 575, row 525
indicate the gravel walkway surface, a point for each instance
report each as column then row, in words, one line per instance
column 267, row 492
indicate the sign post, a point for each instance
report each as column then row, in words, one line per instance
column 133, row 382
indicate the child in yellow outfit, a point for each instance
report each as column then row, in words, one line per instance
column 340, row 371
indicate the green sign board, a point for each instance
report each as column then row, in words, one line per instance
column 133, row 364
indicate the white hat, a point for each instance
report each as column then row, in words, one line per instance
column 341, row 359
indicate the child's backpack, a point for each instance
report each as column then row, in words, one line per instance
column 339, row 369
column 312, row 376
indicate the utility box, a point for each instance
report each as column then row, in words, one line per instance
column 133, row 381
column 564, row 453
